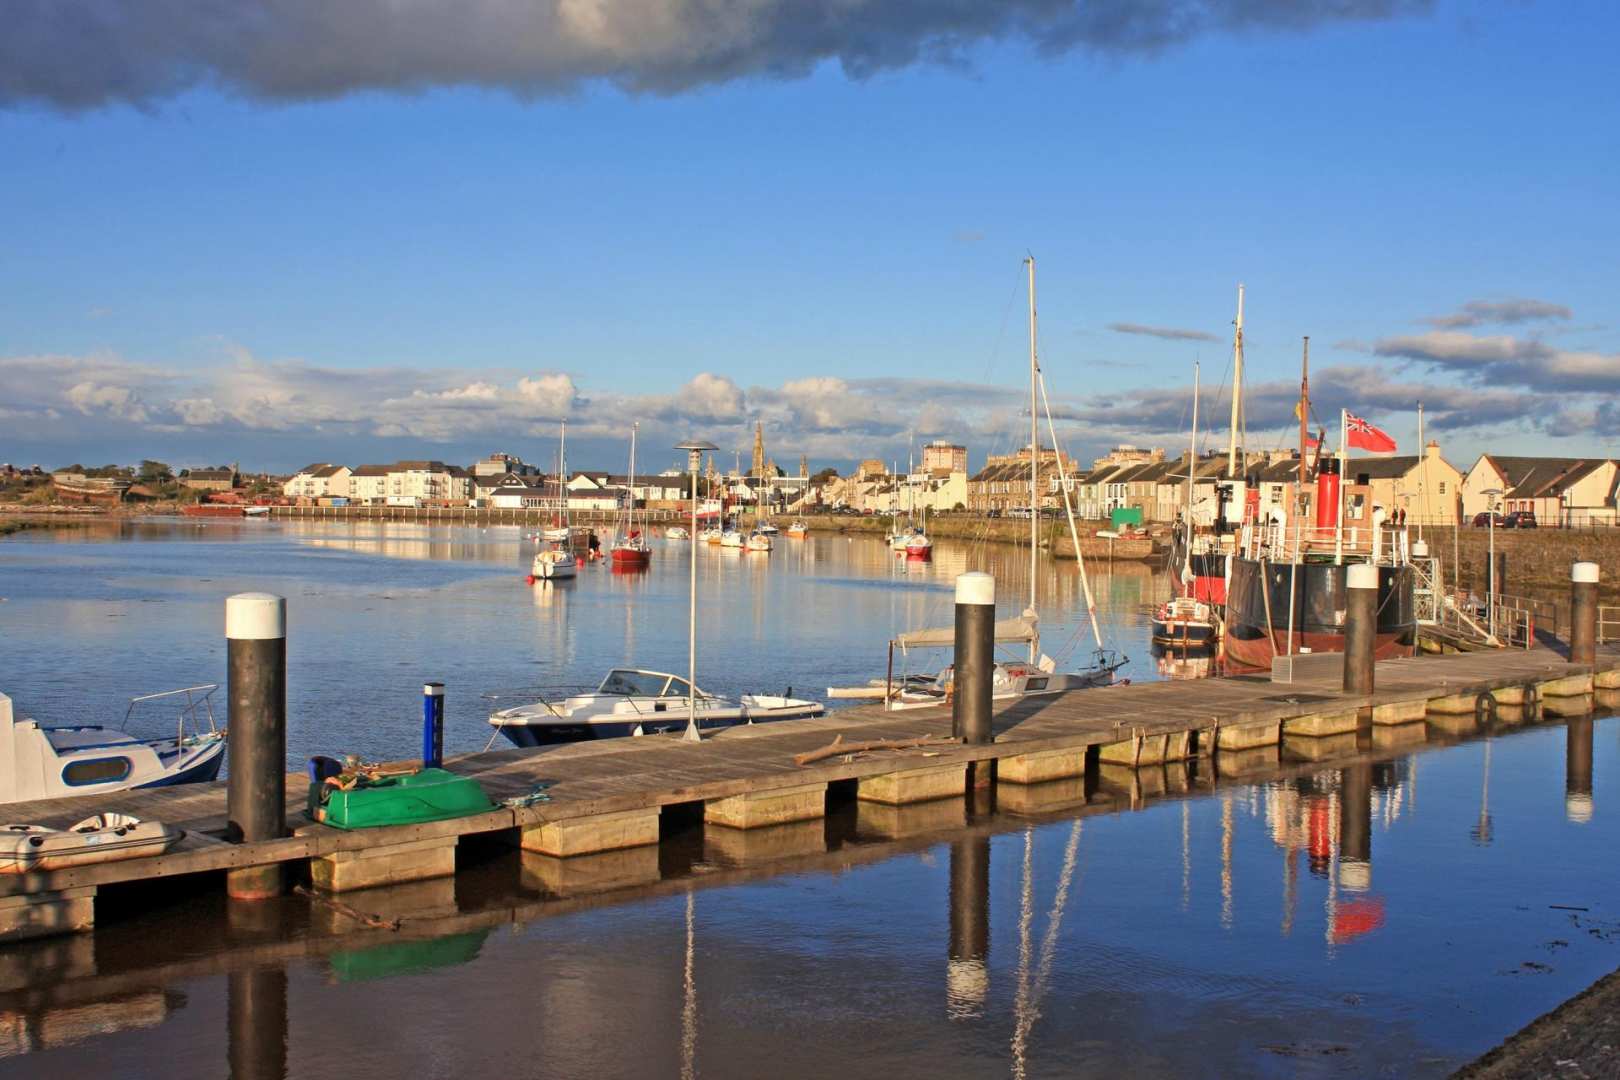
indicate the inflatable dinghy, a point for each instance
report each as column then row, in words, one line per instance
column 102, row 838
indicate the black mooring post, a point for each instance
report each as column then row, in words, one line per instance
column 256, row 687
column 975, row 657
column 1360, row 627
column 1583, row 597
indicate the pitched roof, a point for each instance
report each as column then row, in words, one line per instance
column 1552, row 476
column 372, row 470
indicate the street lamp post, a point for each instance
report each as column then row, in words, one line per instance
column 1490, row 562
column 694, row 462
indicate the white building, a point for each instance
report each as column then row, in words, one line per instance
column 319, row 481
column 427, row 483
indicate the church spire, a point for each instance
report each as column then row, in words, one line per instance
column 759, row 449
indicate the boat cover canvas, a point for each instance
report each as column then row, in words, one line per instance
column 1023, row 628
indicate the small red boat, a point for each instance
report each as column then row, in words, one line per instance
column 631, row 553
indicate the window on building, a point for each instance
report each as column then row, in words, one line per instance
column 1442, row 487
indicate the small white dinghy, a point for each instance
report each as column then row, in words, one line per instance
column 102, row 838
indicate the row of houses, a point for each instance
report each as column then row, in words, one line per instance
column 518, row 486
column 1426, row 487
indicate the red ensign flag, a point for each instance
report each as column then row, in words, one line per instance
column 1363, row 436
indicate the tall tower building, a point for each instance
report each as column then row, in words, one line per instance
column 804, row 465
column 758, row 468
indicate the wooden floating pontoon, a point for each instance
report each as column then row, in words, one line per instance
column 608, row 796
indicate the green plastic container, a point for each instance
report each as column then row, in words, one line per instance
column 427, row 795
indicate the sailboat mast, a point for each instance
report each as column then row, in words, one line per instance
column 1034, row 459
column 1304, row 409
column 1192, row 460
column 562, row 479
column 633, row 428
column 1237, row 391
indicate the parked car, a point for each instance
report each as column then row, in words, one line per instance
column 1483, row 518
column 1520, row 519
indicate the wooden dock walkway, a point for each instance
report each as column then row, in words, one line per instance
column 609, row 795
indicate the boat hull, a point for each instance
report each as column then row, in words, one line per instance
column 631, row 558
column 558, row 732
column 1261, row 597
column 1181, row 634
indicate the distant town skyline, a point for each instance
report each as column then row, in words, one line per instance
column 361, row 255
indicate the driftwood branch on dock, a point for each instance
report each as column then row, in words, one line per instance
column 838, row 747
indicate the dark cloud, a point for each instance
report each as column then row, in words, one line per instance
column 1168, row 333
column 77, row 54
column 1504, row 360
column 1500, row 312
column 1164, row 412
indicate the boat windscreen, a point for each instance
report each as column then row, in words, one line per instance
column 633, row 683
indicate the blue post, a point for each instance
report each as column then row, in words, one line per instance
column 432, row 725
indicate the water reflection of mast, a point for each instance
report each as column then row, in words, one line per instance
column 689, row 1000
column 1186, row 854
column 1226, row 862
column 1027, row 1007
column 1578, row 770
column 1481, row 832
column 967, row 973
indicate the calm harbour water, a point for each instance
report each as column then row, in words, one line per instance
column 93, row 618
column 1394, row 915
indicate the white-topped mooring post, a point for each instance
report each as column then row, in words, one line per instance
column 1583, row 596
column 975, row 656
column 256, row 686
column 1360, row 626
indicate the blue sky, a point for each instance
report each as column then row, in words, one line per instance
column 229, row 269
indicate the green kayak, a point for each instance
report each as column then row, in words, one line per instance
column 405, row 799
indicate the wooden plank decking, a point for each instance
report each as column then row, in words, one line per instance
column 612, row 776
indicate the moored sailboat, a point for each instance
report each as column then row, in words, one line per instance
column 630, row 550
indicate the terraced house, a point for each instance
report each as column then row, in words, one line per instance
column 1573, row 492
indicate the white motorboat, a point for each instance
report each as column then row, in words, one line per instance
column 767, row 528
column 553, row 564
column 758, row 540
column 631, row 701
column 559, row 535
column 48, row 761
column 711, row 535
column 102, row 838
column 676, row 532
column 798, row 530
column 255, row 511
column 732, row 538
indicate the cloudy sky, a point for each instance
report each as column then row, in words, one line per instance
column 278, row 231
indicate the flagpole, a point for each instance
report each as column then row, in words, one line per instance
column 1423, row 472
column 1338, row 525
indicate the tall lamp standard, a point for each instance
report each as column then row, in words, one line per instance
column 1490, row 562
column 694, row 462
